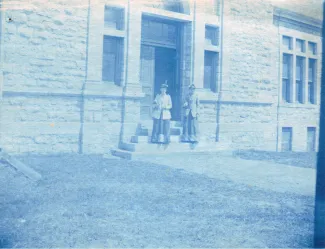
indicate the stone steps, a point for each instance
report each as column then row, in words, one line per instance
column 133, row 150
column 148, row 131
column 140, row 144
column 147, row 139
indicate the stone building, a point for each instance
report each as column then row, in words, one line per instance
column 80, row 76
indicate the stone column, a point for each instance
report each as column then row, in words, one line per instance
column 133, row 46
column 96, row 36
column 133, row 91
column 198, row 43
column 186, row 59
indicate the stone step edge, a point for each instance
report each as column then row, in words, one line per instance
column 133, row 155
column 137, row 139
column 134, row 147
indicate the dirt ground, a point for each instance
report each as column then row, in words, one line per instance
column 87, row 201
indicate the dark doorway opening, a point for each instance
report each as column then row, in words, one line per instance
column 166, row 70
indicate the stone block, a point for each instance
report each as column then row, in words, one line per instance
column 25, row 31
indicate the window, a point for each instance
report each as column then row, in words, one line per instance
column 298, row 70
column 159, row 32
column 311, row 138
column 300, row 45
column 311, row 80
column 173, row 6
column 286, row 139
column 312, row 48
column 287, row 42
column 299, row 78
column 114, row 18
column 286, row 76
column 211, row 36
column 112, row 59
column 210, row 70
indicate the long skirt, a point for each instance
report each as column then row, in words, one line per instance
column 190, row 128
column 161, row 131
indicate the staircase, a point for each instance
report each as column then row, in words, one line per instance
column 140, row 144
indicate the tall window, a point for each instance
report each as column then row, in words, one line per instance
column 298, row 57
column 299, row 78
column 286, row 139
column 311, row 138
column 210, row 70
column 311, row 80
column 112, row 59
column 211, row 58
column 286, row 77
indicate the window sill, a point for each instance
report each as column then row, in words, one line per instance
column 299, row 105
column 102, row 88
column 206, row 95
column 114, row 32
column 211, row 48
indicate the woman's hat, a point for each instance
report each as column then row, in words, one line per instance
column 164, row 85
column 192, row 86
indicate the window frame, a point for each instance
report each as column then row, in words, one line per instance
column 118, row 56
column 287, row 93
column 314, row 129
column 303, row 85
column 312, row 99
column 314, row 44
column 300, row 83
column 290, row 142
column 303, row 45
column 214, row 57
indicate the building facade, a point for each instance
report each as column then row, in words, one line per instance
column 80, row 76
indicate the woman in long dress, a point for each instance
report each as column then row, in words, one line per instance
column 161, row 117
column 190, row 125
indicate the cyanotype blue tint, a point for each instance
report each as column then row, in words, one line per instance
column 162, row 123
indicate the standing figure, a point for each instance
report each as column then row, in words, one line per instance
column 161, row 117
column 190, row 125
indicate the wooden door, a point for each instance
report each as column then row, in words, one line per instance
column 147, row 80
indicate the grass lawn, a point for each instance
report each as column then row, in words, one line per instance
column 87, row 201
column 299, row 159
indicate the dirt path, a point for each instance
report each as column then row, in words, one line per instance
column 267, row 175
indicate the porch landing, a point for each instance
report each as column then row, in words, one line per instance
column 140, row 145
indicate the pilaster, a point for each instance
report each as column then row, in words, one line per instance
column 133, row 47
column 95, row 41
column 198, row 44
